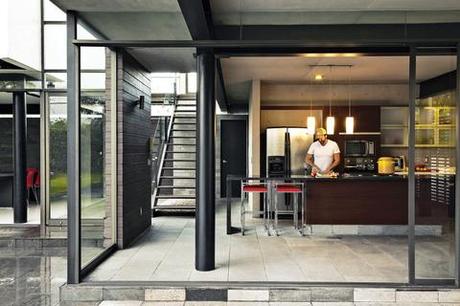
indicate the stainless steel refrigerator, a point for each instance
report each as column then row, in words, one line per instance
column 289, row 145
column 286, row 151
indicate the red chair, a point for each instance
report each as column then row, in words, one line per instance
column 251, row 186
column 31, row 179
column 295, row 189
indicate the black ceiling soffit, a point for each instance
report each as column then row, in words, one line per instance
column 198, row 17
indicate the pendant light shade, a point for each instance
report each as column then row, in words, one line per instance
column 330, row 125
column 311, row 125
column 349, row 125
column 350, row 120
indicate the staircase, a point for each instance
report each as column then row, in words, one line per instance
column 177, row 174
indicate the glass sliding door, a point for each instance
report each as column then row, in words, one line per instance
column 57, row 158
column 97, row 165
column 435, row 166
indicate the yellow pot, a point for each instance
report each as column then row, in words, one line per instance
column 386, row 165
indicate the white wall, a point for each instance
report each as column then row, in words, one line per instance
column 254, row 136
column 20, row 31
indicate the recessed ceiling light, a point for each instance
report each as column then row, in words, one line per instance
column 318, row 77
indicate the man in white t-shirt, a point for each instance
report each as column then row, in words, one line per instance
column 323, row 155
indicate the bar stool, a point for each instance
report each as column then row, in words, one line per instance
column 295, row 189
column 248, row 187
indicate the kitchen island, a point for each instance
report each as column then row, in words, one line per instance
column 356, row 199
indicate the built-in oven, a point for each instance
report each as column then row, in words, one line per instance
column 359, row 148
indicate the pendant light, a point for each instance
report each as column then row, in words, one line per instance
column 311, row 120
column 350, row 120
column 330, row 120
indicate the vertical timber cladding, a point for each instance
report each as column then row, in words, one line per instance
column 134, row 130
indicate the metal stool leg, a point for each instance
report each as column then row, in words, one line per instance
column 265, row 213
column 242, row 211
column 303, row 203
column 296, row 210
column 276, row 215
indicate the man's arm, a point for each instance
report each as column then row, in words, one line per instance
column 335, row 163
column 309, row 161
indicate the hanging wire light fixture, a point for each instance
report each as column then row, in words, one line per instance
column 349, row 120
column 311, row 120
column 330, row 120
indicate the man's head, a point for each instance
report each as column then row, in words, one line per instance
column 321, row 135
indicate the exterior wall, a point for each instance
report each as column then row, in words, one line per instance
column 254, row 137
column 134, row 130
column 20, row 31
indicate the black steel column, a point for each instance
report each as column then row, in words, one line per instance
column 205, row 206
column 20, row 157
column 73, row 152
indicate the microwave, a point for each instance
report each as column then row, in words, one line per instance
column 359, row 148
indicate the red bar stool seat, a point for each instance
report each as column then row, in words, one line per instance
column 253, row 186
column 295, row 189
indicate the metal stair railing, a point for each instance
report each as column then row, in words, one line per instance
column 160, row 161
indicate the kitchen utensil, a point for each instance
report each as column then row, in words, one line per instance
column 386, row 165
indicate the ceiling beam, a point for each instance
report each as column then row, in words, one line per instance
column 198, row 17
column 342, row 32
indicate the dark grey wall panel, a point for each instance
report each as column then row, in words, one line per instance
column 135, row 129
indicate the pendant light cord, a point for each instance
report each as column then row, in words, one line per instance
column 349, row 94
column 330, row 91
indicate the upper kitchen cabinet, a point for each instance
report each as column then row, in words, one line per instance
column 434, row 123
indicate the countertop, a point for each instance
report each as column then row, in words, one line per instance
column 352, row 177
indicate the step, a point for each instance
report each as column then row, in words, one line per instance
column 184, row 207
column 179, row 160
column 185, row 152
column 185, row 117
column 179, row 168
column 181, row 144
column 183, row 130
column 175, row 196
column 169, row 177
column 176, row 187
column 185, row 112
column 184, row 123
column 172, row 136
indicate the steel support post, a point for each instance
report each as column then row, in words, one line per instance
column 20, row 157
column 205, row 208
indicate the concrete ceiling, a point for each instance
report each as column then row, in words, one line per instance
column 239, row 71
column 265, row 12
column 139, row 20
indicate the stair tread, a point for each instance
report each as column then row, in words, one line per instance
column 175, row 196
column 182, row 144
column 179, row 160
column 160, row 207
column 178, row 177
column 186, row 152
column 175, row 187
column 188, row 137
column 178, row 168
column 183, row 130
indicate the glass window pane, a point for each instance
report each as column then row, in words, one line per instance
column 83, row 33
column 191, row 82
column 95, row 167
column 52, row 12
column 435, row 168
column 92, row 58
column 58, row 156
column 55, row 46
column 92, row 81
column 56, row 80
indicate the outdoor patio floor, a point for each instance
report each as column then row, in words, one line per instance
column 166, row 253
